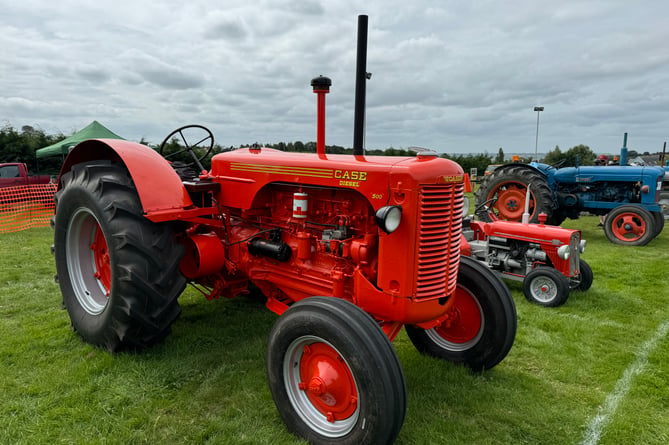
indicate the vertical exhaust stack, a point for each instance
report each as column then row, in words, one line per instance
column 623, row 152
column 361, row 77
column 321, row 86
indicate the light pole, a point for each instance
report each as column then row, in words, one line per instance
column 536, row 142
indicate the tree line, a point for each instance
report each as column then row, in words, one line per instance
column 20, row 146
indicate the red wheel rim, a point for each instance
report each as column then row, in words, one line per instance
column 328, row 382
column 510, row 203
column 628, row 226
column 101, row 255
column 466, row 322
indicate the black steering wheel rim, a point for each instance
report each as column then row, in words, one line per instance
column 189, row 147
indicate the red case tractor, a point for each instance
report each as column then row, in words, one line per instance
column 546, row 259
column 347, row 249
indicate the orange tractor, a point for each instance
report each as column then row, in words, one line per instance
column 347, row 249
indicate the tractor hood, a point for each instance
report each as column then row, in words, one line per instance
column 248, row 170
column 573, row 175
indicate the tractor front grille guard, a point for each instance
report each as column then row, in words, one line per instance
column 438, row 241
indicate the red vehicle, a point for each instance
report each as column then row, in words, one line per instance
column 545, row 258
column 347, row 249
column 16, row 174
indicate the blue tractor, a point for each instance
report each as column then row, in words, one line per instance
column 627, row 195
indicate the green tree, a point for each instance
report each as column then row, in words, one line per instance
column 499, row 159
column 21, row 146
column 582, row 153
column 479, row 161
column 554, row 156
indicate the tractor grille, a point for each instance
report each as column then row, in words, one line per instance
column 440, row 226
column 575, row 244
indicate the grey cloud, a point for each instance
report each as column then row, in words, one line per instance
column 225, row 25
column 92, row 73
column 159, row 72
column 452, row 75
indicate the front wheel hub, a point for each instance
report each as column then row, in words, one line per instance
column 328, row 381
column 465, row 326
column 321, row 386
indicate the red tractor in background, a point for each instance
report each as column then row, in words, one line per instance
column 347, row 249
column 546, row 259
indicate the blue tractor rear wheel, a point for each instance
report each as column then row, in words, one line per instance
column 506, row 189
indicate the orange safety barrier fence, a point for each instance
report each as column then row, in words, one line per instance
column 26, row 206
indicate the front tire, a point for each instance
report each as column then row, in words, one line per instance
column 483, row 326
column 118, row 272
column 629, row 225
column 334, row 375
column 546, row 286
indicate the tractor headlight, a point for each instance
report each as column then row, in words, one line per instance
column 564, row 251
column 465, row 207
column 388, row 218
column 581, row 246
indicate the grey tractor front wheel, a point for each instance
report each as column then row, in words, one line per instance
column 118, row 271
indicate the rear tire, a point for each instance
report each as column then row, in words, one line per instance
column 508, row 187
column 118, row 272
column 334, row 375
column 629, row 225
column 483, row 327
column 546, row 286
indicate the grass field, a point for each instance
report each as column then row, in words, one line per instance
column 595, row 370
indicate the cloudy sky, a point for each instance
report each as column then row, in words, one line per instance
column 453, row 76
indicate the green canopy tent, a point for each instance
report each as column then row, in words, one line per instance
column 94, row 130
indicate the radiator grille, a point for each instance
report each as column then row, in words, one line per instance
column 440, row 226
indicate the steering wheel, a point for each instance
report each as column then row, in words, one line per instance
column 486, row 206
column 559, row 163
column 203, row 136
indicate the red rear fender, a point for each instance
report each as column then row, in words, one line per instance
column 159, row 187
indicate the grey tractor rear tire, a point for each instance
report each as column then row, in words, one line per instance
column 118, row 271
column 664, row 204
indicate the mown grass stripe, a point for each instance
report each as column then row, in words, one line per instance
column 623, row 385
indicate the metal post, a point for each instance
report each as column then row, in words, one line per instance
column 536, row 142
